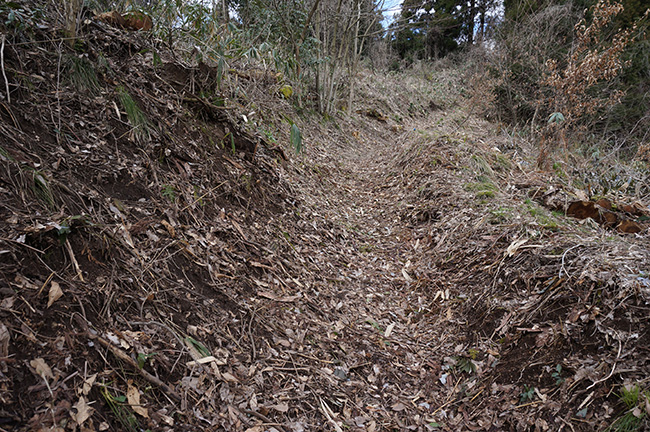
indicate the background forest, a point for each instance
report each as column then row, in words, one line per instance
column 574, row 74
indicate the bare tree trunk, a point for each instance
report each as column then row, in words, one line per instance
column 226, row 14
column 319, row 67
column 355, row 57
column 471, row 19
column 72, row 15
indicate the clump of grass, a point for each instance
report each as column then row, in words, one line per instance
column 499, row 215
column 542, row 217
column 42, row 190
column 81, row 74
column 635, row 418
column 137, row 118
column 482, row 189
column 481, row 165
column 120, row 408
column 168, row 191
column 502, row 162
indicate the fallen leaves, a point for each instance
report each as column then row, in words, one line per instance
column 42, row 369
column 602, row 211
column 81, row 411
column 133, row 398
column 54, row 294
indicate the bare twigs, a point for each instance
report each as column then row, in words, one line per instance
column 2, row 65
column 128, row 360
column 618, row 356
column 562, row 269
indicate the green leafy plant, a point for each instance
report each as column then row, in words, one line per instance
column 198, row 346
column 465, row 364
column 557, row 375
column 527, row 395
column 63, row 232
column 221, row 67
column 269, row 135
column 169, row 192
column 20, row 18
column 142, row 359
column 556, row 117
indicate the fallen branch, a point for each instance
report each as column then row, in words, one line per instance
column 128, row 360
column 264, row 418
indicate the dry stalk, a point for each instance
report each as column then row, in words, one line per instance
column 2, row 64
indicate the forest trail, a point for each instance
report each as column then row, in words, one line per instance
column 404, row 272
column 376, row 329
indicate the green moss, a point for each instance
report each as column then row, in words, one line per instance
column 286, row 91
column 483, row 189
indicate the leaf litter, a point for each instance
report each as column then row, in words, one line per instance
column 399, row 273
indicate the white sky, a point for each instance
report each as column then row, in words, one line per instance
column 391, row 7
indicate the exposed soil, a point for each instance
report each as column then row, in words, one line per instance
column 402, row 273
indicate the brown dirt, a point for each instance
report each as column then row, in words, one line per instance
column 351, row 287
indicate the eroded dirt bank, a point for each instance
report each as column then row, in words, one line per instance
column 403, row 273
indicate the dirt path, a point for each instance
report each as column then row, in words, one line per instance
column 373, row 329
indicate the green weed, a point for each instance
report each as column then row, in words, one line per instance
column 42, row 190
column 557, row 167
column 465, row 364
column 375, row 325
column 120, row 408
column 269, row 135
column 296, row 138
column 141, row 127
column 169, row 192
column 502, row 162
column 557, row 375
column 142, row 359
column 527, row 395
column 81, row 74
column 542, row 217
column 499, row 215
column 233, row 148
column 482, row 189
column 635, row 418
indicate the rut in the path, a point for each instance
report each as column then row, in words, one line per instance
column 370, row 308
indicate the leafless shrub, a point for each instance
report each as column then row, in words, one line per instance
column 591, row 61
column 518, row 60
